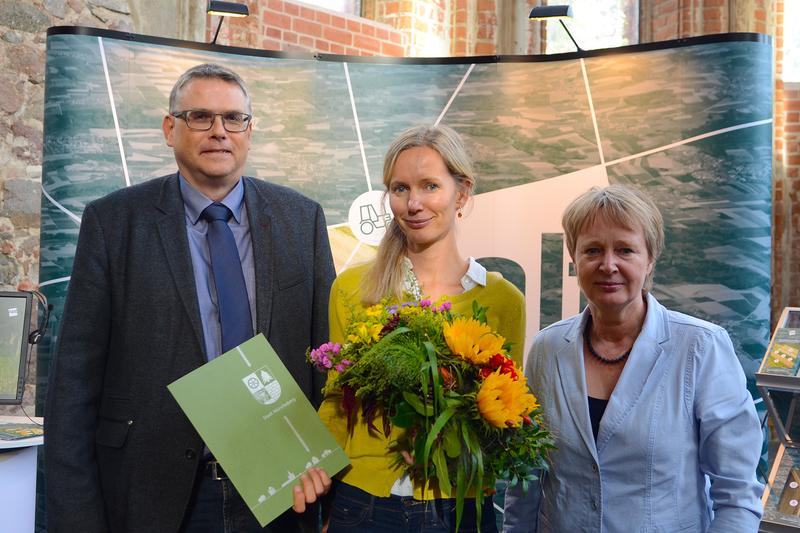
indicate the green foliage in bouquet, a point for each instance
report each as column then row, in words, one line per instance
column 468, row 415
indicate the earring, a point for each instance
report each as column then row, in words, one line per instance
column 460, row 214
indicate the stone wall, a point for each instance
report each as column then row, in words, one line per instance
column 23, row 28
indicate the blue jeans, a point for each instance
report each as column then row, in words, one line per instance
column 216, row 507
column 356, row 511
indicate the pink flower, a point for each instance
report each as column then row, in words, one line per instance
column 425, row 303
column 446, row 306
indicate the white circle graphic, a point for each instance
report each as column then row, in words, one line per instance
column 369, row 216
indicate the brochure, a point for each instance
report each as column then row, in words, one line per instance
column 259, row 425
column 20, row 431
column 783, row 353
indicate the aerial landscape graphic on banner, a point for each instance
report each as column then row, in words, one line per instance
column 690, row 125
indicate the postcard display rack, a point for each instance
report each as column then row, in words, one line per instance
column 778, row 381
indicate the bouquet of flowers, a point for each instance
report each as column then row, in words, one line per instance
column 469, row 416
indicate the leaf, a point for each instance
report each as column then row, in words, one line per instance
column 433, row 433
column 478, row 312
column 389, row 336
column 434, row 370
column 414, row 401
column 450, row 441
column 404, row 415
column 461, row 492
column 442, row 474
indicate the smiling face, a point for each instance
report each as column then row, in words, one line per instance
column 612, row 263
column 424, row 197
column 210, row 160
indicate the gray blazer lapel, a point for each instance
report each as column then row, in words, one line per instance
column 263, row 252
column 573, row 382
column 645, row 367
column 172, row 231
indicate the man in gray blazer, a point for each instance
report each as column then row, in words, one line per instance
column 141, row 311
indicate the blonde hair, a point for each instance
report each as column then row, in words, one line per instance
column 618, row 204
column 385, row 278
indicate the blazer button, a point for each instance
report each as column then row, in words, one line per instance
column 594, row 505
column 594, row 467
column 190, row 454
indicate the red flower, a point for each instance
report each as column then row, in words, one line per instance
column 505, row 364
column 447, row 378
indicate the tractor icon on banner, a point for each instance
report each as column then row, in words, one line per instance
column 369, row 216
column 371, row 220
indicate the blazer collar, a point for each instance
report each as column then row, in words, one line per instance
column 264, row 250
column 642, row 371
column 172, row 231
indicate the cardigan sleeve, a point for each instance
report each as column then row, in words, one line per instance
column 330, row 411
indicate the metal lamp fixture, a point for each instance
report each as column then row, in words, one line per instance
column 225, row 9
column 554, row 12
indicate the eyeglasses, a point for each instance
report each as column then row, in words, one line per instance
column 201, row 120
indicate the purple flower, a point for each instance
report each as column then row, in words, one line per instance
column 446, row 306
column 425, row 303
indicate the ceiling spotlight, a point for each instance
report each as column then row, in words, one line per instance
column 225, row 9
column 554, row 12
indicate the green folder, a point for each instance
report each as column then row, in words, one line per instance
column 259, row 425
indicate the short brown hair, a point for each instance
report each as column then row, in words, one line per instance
column 621, row 205
column 208, row 71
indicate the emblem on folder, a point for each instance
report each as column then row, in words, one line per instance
column 263, row 386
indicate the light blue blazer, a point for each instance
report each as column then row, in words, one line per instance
column 678, row 444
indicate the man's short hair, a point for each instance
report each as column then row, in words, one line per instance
column 208, row 71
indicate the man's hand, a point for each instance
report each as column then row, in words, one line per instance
column 313, row 484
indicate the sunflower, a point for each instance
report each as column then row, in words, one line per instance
column 472, row 340
column 504, row 401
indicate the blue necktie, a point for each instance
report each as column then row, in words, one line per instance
column 234, row 306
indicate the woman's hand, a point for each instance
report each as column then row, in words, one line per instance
column 313, row 484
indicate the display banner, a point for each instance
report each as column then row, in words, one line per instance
column 688, row 122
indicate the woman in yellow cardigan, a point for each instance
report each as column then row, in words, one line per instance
column 428, row 178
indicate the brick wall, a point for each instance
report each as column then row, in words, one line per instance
column 426, row 24
column 456, row 27
column 672, row 19
column 293, row 26
column 781, row 198
column 486, row 42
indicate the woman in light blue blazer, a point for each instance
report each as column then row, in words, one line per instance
column 655, row 428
